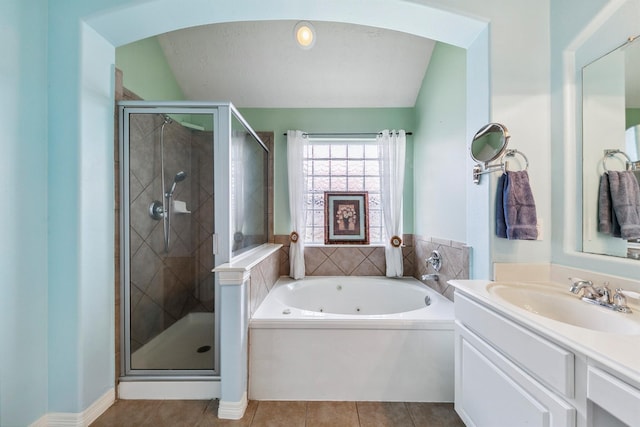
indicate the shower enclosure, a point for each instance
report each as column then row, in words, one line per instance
column 193, row 196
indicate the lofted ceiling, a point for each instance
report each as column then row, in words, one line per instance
column 258, row 65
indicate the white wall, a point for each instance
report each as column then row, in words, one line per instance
column 519, row 97
column 595, row 28
column 520, row 85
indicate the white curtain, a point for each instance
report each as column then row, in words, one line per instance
column 296, row 147
column 391, row 148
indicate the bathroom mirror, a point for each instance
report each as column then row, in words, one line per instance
column 488, row 144
column 610, row 114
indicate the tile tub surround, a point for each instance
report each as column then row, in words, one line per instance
column 341, row 260
column 345, row 260
column 262, row 278
column 455, row 262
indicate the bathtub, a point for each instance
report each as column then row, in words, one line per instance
column 352, row 338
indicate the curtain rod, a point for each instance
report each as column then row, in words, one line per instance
column 344, row 133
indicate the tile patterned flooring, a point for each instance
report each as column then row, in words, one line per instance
column 201, row 413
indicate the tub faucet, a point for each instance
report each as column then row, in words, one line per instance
column 430, row 277
column 435, row 260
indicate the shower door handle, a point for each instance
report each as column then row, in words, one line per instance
column 214, row 244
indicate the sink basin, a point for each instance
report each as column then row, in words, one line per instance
column 557, row 304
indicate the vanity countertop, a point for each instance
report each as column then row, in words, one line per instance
column 620, row 352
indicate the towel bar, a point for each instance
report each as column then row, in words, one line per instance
column 512, row 153
column 502, row 166
column 612, row 152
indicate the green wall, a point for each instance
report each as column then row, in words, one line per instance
column 632, row 117
column 328, row 120
column 146, row 72
column 440, row 147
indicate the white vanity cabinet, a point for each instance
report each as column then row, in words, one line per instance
column 607, row 394
column 507, row 375
column 528, row 355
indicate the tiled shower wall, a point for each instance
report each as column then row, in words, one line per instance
column 370, row 260
column 167, row 286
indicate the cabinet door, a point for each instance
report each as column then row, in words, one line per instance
column 616, row 397
column 493, row 392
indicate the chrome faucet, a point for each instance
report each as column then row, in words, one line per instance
column 600, row 296
column 605, row 294
column 579, row 284
column 435, row 260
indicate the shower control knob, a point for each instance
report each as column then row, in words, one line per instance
column 156, row 211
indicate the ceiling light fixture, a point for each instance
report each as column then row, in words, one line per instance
column 305, row 34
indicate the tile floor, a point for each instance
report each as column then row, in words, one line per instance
column 200, row 413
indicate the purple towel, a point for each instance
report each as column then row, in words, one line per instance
column 520, row 208
column 607, row 221
column 625, row 197
column 501, row 224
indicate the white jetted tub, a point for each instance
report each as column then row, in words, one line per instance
column 352, row 338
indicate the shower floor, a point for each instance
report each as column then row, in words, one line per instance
column 187, row 344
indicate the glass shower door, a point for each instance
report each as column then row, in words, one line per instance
column 168, row 232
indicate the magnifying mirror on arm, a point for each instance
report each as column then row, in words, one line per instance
column 488, row 144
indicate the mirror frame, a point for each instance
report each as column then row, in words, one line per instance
column 601, row 32
column 615, row 61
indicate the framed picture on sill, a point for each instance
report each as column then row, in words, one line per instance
column 346, row 218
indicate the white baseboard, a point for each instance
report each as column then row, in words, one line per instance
column 168, row 390
column 81, row 419
column 233, row 410
column 43, row 421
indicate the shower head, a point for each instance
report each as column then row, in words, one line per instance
column 167, row 119
column 180, row 176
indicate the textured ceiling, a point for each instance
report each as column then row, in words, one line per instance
column 257, row 64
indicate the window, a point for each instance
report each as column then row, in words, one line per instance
column 342, row 165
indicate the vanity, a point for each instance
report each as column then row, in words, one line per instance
column 528, row 351
column 535, row 354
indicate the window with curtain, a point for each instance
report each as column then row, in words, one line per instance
column 342, row 165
